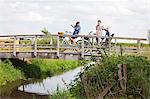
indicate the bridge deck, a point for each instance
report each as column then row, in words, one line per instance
column 40, row 46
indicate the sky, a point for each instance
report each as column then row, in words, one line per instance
column 130, row 18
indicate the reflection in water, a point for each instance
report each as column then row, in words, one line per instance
column 50, row 85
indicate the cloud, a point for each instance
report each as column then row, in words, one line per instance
column 32, row 17
column 123, row 16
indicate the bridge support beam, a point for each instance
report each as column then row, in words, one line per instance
column 58, row 46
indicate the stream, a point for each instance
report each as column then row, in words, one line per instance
column 39, row 89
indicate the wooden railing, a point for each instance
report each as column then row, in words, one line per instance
column 14, row 45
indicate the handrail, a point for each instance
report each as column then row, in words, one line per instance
column 90, row 36
column 15, row 45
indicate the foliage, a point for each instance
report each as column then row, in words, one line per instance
column 8, row 73
column 50, row 67
column 48, row 38
column 15, row 69
column 61, row 94
column 93, row 80
column 46, row 32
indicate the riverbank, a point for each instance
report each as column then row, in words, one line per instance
column 15, row 69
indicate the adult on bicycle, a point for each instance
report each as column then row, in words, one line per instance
column 77, row 29
column 99, row 30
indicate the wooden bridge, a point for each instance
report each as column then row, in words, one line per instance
column 41, row 46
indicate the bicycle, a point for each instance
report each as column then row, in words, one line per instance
column 102, row 45
column 66, row 40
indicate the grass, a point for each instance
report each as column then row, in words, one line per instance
column 8, row 73
column 61, row 94
column 51, row 67
column 15, row 69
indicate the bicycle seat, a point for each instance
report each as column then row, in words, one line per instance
column 60, row 34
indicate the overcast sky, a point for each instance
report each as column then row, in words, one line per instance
column 129, row 18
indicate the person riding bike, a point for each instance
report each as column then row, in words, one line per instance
column 77, row 29
column 107, row 36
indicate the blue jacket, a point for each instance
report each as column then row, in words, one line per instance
column 76, row 30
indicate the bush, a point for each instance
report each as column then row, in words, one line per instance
column 93, row 80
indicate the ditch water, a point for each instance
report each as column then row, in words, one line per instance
column 39, row 88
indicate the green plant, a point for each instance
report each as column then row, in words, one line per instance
column 61, row 94
column 50, row 67
column 95, row 79
column 8, row 73
column 49, row 38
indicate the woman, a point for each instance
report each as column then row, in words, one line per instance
column 99, row 29
column 77, row 29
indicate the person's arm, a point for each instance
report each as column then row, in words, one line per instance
column 96, row 27
column 102, row 27
column 72, row 25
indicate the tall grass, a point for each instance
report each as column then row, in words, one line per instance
column 8, row 73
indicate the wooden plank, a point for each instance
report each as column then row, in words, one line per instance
column 129, row 38
column 90, row 36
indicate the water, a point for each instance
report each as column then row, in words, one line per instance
column 49, row 85
column 39, row 89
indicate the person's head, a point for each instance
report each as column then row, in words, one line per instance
column 99, row 22
column 77, row 23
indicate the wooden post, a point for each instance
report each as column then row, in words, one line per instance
column 58, row 46
column 82, row 53
column 14, row 47
column 92, row 41
column 115, row 45
column 33, row 40
column 138, row 46
column 109, row 44
column 92, row 46
column 35, row 46
column 51, row 40
column 17, row 44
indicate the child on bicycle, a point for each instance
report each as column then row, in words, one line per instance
column 77, row 29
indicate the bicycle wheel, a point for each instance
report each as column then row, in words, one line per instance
column 86, row 45
column 64, row 44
